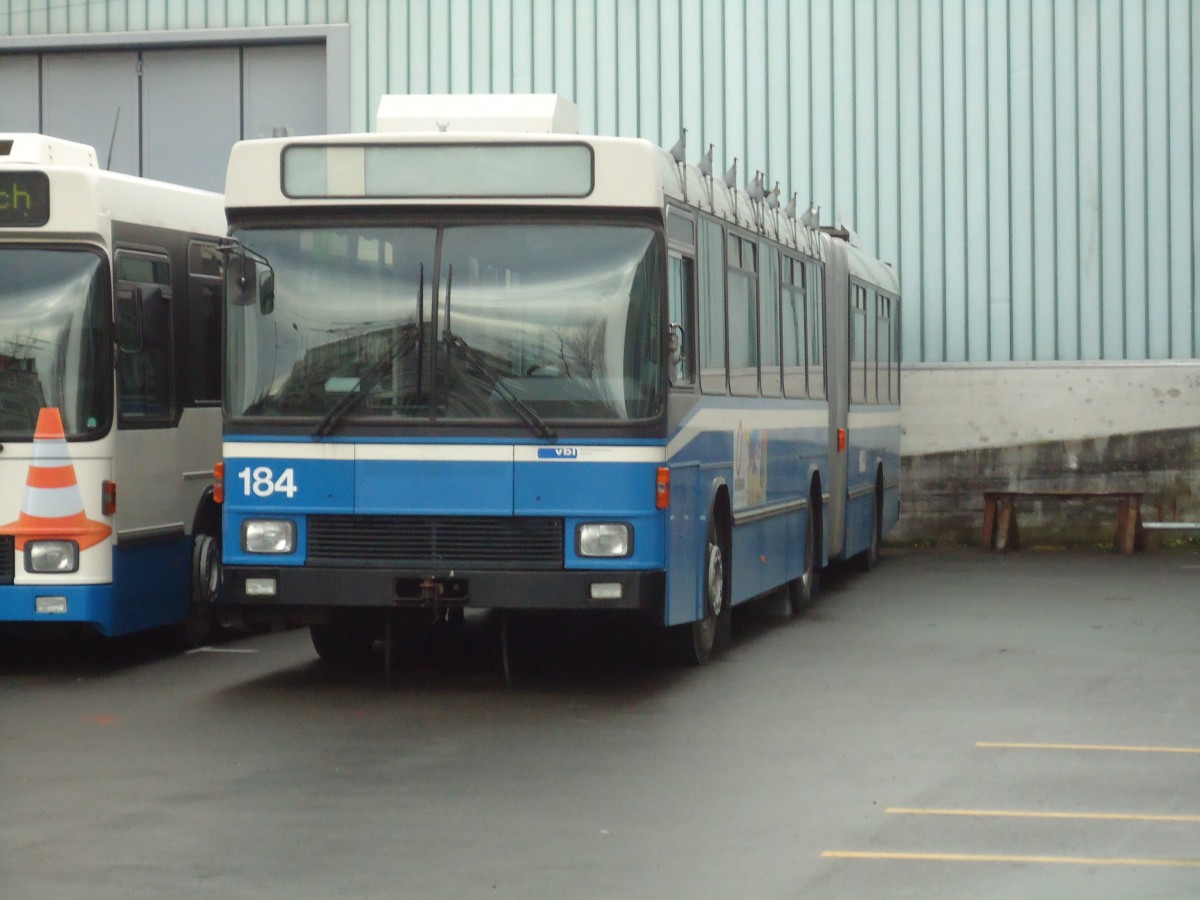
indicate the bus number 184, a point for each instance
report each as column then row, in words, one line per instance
column 262, row 482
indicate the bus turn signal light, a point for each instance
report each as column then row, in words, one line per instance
column 219, row 483
column 662, row 488
column 108, row 498
column 841, row 440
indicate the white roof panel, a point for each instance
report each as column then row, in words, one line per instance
column 519, row 113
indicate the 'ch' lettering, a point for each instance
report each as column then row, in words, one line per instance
column 15, row 198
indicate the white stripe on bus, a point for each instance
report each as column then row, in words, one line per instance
column 726, row 419
column 471, row 453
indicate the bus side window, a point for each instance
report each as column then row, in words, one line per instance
column 795, row 327
column 682, row 288
column 145, row 338
column 768, row 340
column 883, row 358
column 711, row 307
column 742, row 279
column 871, row 387
column 894, row 343
column 816, row 330
column 858, row 344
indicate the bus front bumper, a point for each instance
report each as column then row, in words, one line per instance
column 290, row 590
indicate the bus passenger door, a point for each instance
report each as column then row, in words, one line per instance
column 144, row 463
column 685, row 539
column 685, row 530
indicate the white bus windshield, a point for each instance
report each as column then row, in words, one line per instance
column 481, row 322
column 54, row 340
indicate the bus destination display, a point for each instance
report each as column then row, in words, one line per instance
column 24, row 199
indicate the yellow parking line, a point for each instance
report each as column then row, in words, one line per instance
column 1023, row 814
column 1008, row 858
column 1111, row 748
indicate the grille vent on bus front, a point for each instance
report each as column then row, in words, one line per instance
column 7, row 563
column 492, row 542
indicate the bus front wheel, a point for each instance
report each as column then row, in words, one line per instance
column 342, row 641
column 694, row 641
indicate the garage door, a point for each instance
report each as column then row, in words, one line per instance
column 171, row 114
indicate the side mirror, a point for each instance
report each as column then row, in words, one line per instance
column 242, row 280
column 251, row 280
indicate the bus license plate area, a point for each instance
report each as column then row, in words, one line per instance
column 432, row 590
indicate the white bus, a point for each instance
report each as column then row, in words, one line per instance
column 110, row 372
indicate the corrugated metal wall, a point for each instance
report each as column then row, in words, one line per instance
column 1030, row 165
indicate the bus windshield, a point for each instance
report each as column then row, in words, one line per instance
column 55, row 342
column 489, row 322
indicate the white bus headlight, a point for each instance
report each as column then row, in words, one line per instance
column 51, row 556
column 268, row 536
column 612, row 539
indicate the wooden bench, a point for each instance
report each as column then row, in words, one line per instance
column 1000, row 516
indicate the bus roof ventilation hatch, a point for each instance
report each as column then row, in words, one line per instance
column 41, row 150
column 489, row 113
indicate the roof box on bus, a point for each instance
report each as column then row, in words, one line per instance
column 40, row 150
column 521, row 113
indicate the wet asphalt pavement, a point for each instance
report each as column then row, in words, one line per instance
column 954, row 724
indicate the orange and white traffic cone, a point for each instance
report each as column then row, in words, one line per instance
column 52, row 508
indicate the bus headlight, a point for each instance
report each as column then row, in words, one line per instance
column 268, row 536
column 51, row 556
column 611, row 539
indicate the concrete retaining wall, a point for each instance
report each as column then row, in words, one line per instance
column 1079, row 426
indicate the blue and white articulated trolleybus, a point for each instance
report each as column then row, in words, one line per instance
column 476, row 360
column 110, row 327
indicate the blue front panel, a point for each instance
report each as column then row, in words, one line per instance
column 580, row 484
column 273, row 485
column 266, row 487
column 416, row 488
column 231, row 546
column 564, row 482
column 547, row 488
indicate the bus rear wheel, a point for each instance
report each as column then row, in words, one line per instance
column 869, row 558
column 802, row 590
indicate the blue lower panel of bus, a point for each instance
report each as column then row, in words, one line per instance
column 767, row 553
column 149, row 589
column 151, row 583
column 88, row 603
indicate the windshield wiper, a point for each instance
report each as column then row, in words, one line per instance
column 526, row 412
column 352, row 399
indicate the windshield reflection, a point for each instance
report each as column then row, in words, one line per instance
column 54, row 340
column 519, row 322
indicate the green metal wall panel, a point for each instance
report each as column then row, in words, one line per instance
column 1030, row 165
